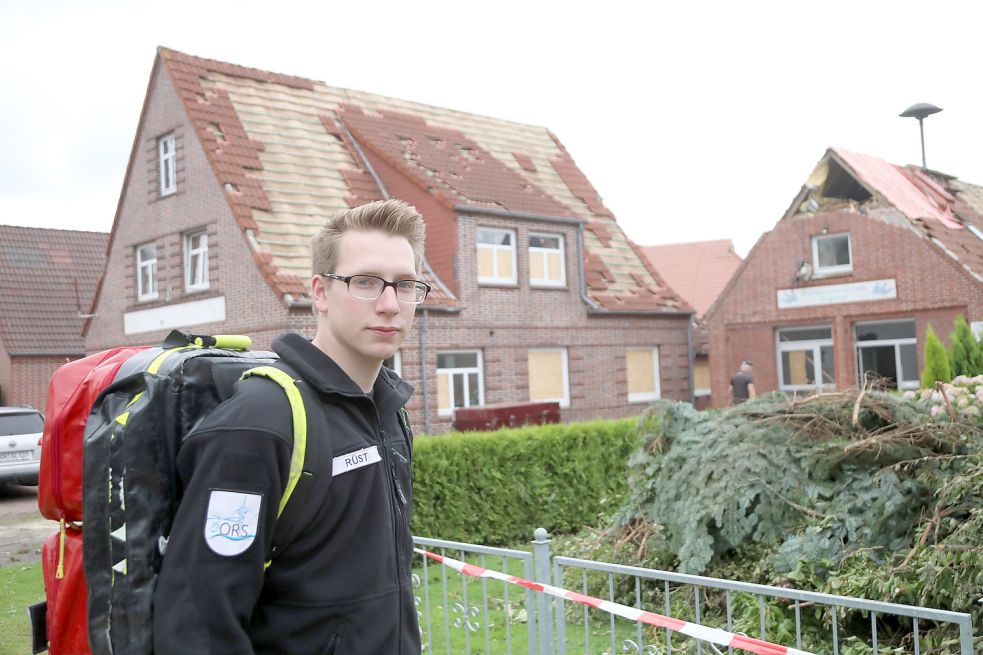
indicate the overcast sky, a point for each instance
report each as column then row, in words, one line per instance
column 696, row 121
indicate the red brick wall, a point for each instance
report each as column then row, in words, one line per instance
column 931, row 288
column 29, row 377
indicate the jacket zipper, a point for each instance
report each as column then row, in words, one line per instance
column 393, row 485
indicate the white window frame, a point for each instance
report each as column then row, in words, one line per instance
column 565, row 400
column 495, row 248
column 146, row 294
column 196, row 280
column 656, row 372
column 397, row 366
column 814, row 345
column 840, row 269
column 167, row 164
column 544, row 281
column 897, row 343
column 464, row 370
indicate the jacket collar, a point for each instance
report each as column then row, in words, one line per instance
column 322, row 373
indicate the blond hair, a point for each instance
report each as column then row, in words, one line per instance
column 393, row 217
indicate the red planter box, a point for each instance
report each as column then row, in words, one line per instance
column 506, row 415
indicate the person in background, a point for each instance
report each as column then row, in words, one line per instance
column 742, row 384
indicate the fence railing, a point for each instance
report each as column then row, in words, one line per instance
column 470, row 614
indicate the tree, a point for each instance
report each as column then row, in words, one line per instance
column 937, row 366
column 966, row 355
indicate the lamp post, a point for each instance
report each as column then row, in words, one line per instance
column 920, row 111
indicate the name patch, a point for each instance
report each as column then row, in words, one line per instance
column 355, row 460
column 232, row 521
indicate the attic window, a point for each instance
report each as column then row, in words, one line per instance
column 842, row 185
column 167, row 164
column 467, row 153
column 436, row 141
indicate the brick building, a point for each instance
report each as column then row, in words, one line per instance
column 866, row 258
column 47, row 279
column 698, row 271
column 538, row 294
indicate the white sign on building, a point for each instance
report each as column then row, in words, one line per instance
column 834, row 294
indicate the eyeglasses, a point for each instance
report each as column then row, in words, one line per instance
column 371, row 287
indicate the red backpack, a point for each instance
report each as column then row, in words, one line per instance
column 71, row 393
column 116, row 420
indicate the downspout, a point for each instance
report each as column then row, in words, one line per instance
column 581, row 268
column 423, row 371
column 689, row 352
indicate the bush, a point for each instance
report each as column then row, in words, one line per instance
column 966, row 354
column 495, row 488
column 937, row 366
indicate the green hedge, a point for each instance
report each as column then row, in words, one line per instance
column 497, row 487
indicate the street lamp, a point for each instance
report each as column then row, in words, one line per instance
column 920, row 111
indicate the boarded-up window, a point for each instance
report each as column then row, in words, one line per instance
column 548, row 375
column 701, row 376
column 642, row 365
column 546, row 266
column 496, row 256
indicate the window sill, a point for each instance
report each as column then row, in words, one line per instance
column 548, row 287
column 504, row 284
column 634, row 400
column 822, row 275
column 189, row 291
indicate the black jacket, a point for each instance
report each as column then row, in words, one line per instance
column 343, row 585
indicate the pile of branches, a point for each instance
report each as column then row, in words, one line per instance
column 858, row 492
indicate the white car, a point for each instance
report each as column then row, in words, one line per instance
column 20, row 445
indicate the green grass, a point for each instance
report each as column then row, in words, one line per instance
column 497, row 624
column 20, row 586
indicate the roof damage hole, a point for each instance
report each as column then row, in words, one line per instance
column 839, row 183
column 217, row 131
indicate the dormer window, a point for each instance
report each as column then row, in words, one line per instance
column 832, row 254
column 496, row 256
column 167, row 163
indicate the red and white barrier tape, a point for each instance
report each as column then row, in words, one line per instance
column 701, row 632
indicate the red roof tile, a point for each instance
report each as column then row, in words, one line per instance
column 447, row 162
column 698, row 271
column 285, row 161
column 47, row 278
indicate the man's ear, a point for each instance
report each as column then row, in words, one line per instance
column 319, row 294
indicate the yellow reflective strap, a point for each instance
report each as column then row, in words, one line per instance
column 232, row 341
column 161, row 358
column 300, row 425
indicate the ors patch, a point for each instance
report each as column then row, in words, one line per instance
column 232, row 521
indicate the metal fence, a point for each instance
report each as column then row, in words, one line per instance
column 469, row 615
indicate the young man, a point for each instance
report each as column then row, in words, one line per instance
column 343, row 584
column 742, row 384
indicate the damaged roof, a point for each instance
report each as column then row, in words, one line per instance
column 291, row 152
column 47, row 277
column 940, row 207
column 698, row 270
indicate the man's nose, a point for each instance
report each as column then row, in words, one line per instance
column 388, row 302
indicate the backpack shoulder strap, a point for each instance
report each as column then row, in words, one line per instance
column 303, row 460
